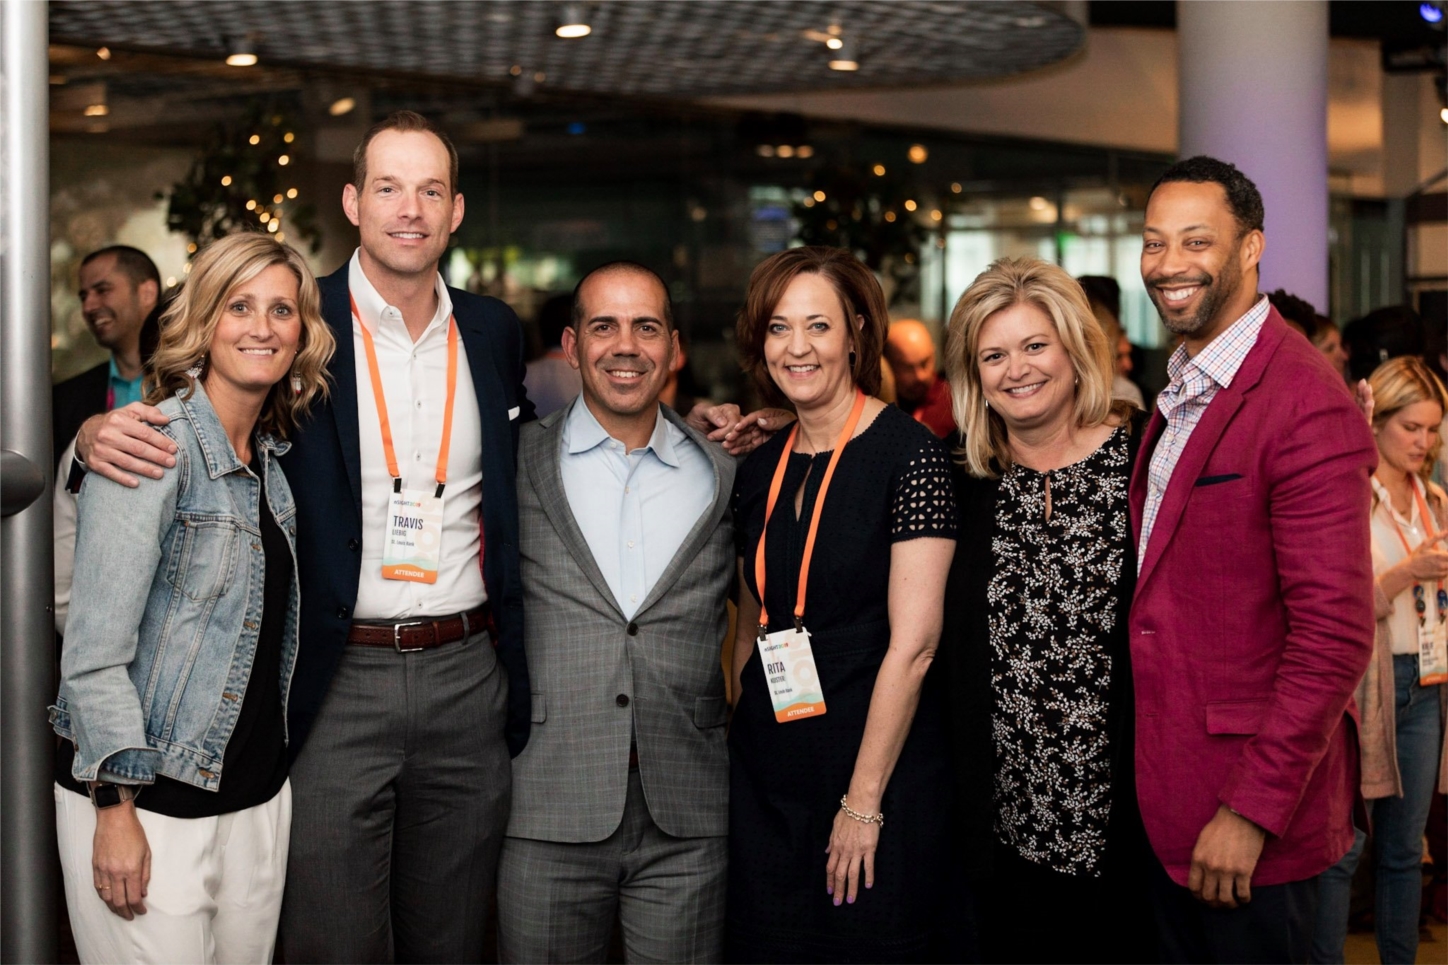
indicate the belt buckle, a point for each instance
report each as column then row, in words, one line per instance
column 397, row 629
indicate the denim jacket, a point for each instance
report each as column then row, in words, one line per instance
column 166, row 607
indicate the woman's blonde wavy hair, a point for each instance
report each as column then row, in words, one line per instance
column 1014, row 281
column 1401, row 382
column 189, row 324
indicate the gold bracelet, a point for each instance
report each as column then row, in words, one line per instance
column 862, row 818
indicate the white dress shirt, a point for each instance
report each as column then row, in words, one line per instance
column 414, row 381
column 1388, row 552
column 634, row 508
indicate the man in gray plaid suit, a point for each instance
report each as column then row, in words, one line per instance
column 620, row 801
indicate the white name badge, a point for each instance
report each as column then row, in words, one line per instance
column 413, row 548
column 1432, row 653
column 789, row 668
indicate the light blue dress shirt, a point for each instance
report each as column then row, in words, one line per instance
column 634, row 508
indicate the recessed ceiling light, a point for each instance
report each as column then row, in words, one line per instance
column 573, row 22
column 845, row 57
column 918, row 154
column 342, row 105
column 241, row 53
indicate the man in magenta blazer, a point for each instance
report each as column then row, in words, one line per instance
column 1252, row 620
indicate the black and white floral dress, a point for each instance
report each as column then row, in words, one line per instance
column 1053, row 602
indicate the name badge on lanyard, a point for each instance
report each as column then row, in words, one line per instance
column 1432, row 636
column 412, row 545
column 786, row 655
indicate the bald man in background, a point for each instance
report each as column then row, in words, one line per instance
column 919, row 388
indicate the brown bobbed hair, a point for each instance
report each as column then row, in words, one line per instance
column 189, row 325
column 404, row 122
column 1401, row 382
column 1005, row 284
column 860, row 295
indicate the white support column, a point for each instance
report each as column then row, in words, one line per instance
column 1253, row 91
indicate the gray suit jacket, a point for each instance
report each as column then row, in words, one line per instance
column 598, row 678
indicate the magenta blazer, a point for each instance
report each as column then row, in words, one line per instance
column 1252, row 620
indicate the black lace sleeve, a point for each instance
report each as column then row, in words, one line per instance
column 924, row 496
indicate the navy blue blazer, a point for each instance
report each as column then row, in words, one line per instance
column 324, row 470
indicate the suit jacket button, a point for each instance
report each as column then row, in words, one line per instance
column 343, row 613
column 633, row 629
column 352, row 545
column 621, row 700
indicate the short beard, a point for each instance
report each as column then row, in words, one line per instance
column 1216, row 292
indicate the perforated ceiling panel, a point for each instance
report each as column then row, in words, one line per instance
column 668, row 48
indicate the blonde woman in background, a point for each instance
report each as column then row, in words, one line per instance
column 1403, row 698
column 1035, row 641
column 172, row 803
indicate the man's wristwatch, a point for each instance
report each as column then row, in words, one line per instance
column 104, row 794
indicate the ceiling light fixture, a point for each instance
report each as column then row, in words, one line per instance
column 104, row 53
column 784, row 150
column 342, row 105
column 918, row 154
column 96, row 110
column 242, row 53
column 804, row 150
column 845, row 58
column 573, row 22
column 834, row 43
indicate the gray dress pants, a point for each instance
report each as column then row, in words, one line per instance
column 400, row 800
column 557, row 901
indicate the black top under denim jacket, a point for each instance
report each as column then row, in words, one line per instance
column 965, row 658
column 255, row 763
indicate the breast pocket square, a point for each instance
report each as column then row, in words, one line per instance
column 1213, row 480
column 513, row 413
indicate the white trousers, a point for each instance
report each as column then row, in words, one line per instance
column 215, row 893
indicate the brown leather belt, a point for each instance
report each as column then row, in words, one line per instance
column 408, row 636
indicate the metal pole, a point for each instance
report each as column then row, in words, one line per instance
column 29, row 878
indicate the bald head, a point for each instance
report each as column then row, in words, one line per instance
column 911, row 353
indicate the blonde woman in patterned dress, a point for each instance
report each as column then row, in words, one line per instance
column 1035, row 640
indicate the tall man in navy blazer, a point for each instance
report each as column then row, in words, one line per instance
column 408, row 697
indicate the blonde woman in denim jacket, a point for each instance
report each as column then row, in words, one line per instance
column 172, row 806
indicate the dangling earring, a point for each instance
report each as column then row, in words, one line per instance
column 852, row 358
column 987, row 403
column 296, row 383
column 197, row 368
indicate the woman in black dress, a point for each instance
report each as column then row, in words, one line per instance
column 1035, row 640
column 855, row 551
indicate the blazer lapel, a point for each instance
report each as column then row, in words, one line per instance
column 1203, row 441
column 337, row 311
column 492, row 407
column 542, row 459
column 703, row 528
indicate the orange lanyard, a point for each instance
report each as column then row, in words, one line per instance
column 1426, row 519
column 381, row 400
column 814, row 524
